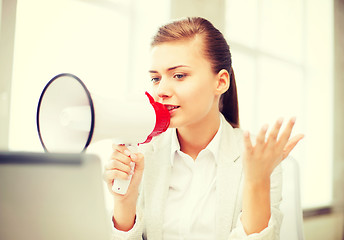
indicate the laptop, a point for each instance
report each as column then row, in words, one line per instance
column 52, row 196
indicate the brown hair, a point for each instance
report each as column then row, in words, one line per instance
column 215, row 49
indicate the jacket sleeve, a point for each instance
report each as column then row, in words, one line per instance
column 133, row 234
column 271, row 232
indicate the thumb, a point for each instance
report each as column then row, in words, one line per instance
column 138, row 159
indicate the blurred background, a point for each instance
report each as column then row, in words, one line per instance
column 288, row 58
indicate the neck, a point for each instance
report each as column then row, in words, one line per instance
column 194, row 138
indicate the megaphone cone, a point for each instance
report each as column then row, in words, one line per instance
column 69, row 118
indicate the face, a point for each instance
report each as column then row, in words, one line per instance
column 184, row 82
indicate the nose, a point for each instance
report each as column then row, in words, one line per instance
column 163, row 89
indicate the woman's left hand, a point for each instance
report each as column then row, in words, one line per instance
column 261, row 159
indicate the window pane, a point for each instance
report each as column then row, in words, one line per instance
column 244, row 67
column 145, row 26
column 242, row 21
column 64, row 36
column 282, row 28
column 319, row 97
column 281, row 94
column 280, row 88
column 294, row 57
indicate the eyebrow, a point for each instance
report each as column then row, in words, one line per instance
column 169, row 69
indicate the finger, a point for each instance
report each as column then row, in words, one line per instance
column 285, row 135
column 110, row 175
column 122, row 157
column 260, row 140
column 247, row 141
column 109, row 165
column 121, row 149
column 107, row 177
column 138, row 159
column 275, row 130
column 117, row 165
column 291, row 144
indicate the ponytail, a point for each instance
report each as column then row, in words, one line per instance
column 229, row 103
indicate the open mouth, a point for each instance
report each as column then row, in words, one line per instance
column 171, row 107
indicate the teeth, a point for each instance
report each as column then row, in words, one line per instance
column 169, row 108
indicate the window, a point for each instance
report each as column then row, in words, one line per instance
column 282, row 58
column 103, row 42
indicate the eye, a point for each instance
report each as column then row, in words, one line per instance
column 155, row 79
column 179, row 76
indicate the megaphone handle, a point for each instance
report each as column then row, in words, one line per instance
column 120, row 186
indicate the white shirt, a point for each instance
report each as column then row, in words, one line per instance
column 190, row 207
column 192, row 219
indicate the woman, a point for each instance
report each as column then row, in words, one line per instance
column 203, row 178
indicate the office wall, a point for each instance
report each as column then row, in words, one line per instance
column 338, row 148
column 212, row 10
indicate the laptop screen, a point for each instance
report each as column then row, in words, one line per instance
column 52, row 196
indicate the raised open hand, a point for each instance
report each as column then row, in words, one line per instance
column 262, row 158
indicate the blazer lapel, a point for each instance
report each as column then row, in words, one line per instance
column 156, row 188
column 229, row 175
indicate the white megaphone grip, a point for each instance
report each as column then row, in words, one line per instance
column 121, row 186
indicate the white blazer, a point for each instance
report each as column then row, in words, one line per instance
column 229, row 184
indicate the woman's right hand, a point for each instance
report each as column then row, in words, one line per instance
column 119, row 167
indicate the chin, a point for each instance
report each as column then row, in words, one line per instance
column 174, row 123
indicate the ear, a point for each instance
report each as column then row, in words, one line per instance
column 223, row 82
